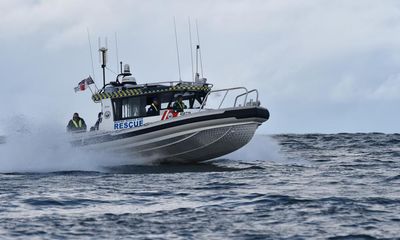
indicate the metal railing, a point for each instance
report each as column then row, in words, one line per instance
column 174, row 83
column 246, row 95
column 227, row 90
column 166, row 83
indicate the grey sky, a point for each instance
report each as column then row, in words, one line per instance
column 320, row 66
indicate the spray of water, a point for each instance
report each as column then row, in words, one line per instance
column 264, row 148
column 45, row 148
column 260, row 148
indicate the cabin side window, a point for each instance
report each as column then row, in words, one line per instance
column 128, row 108
column 191, row 99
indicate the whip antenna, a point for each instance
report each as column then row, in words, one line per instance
column 116, row 49
column 177, row 51
column 191, row 47
column 198, row 46
column 91, row 55
column 99, row 50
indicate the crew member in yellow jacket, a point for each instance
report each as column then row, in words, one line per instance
column 76, row 124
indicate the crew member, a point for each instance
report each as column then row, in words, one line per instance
column 154, row 108
column 179, row 105
column 99, row 119
column 76, row 124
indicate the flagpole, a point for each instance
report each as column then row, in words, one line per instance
column 97, row 89
column 91, row 88
column 91, row 82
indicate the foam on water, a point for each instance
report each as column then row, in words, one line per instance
column 253, row 152
column 46, row 148
column 266, row 149
column 41, row 150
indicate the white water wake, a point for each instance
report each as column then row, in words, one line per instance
column 260, row 148
column 264, row 148
column 46, row 148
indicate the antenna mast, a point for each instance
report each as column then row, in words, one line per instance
column 191, row 47
column 116, row 49
column 91, row 55
column 197, row 63
column 199, row 49
column 177, row 51
column 103, row 56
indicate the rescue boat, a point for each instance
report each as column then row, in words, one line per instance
column 198, row 133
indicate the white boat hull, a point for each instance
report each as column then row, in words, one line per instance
column 188, row 139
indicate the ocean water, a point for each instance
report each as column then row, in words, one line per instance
column 311, row 186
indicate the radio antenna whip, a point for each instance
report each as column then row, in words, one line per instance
column 177, row 51
column 91, row 54
column 198, row 41
column 116, row 49
column 191, row 47
column 99, row 42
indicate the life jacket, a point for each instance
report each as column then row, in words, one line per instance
column 154, row 107
column 181, row 106
column 77, row 124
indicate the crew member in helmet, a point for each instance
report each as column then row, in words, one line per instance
column 179, row 105
column 76, row 124
column 154, row 108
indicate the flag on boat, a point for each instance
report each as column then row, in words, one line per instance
column 83, row 85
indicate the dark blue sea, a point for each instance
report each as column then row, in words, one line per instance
column 309, row 186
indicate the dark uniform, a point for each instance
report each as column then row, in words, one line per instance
column 76, row 124
column 99, row 120
column 153, row 110
column 179, row 106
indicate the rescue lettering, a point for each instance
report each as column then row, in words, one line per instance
column 133, row 123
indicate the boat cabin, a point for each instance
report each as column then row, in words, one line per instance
column 126, row 105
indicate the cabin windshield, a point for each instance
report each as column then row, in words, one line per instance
column 136, row 107
column 127, row 108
